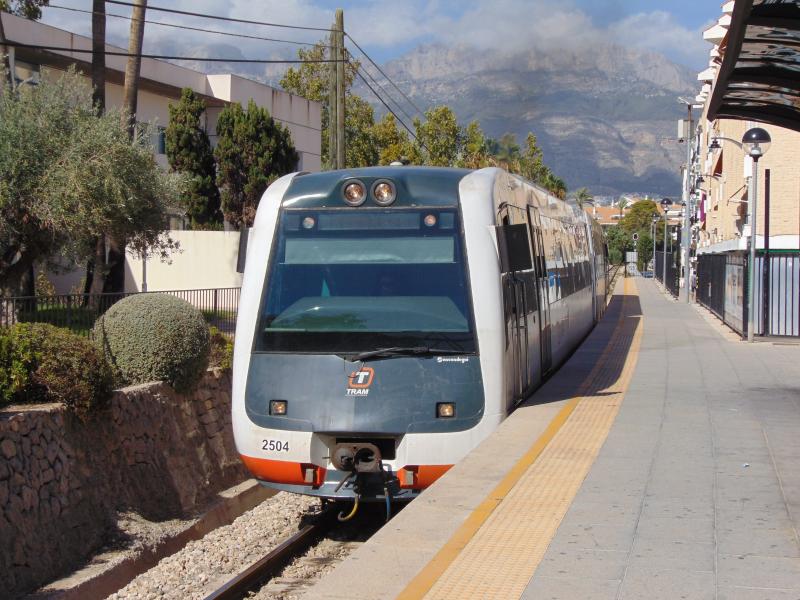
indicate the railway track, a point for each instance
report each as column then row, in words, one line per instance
column 318, row 545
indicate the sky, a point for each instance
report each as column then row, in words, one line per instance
column 387, row 30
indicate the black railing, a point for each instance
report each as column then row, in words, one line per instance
column 78, row 312
column 777, row 293
column 673, row 271
column 722, row 287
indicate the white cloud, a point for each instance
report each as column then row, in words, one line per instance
column 660, row 32
column 511, row 24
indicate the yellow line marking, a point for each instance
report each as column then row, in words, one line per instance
column 474, row 577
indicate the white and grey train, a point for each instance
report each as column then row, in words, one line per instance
column 391, row 318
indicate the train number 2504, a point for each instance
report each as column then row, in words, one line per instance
column 275, row 445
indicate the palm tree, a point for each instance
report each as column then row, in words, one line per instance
column 621, row 204
column 583, row 196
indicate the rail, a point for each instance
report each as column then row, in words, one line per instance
column 277, row 558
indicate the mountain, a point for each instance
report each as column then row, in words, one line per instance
column 604, row 115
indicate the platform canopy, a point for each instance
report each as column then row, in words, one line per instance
column 759, row 78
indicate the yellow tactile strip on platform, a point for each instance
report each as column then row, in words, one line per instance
column 511, row 529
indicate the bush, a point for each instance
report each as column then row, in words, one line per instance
column 221, row 349
column 154, row 337
column 43, row 363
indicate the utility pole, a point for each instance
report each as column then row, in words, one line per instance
column 340, row 108
column 333, row 54
column 134, row 65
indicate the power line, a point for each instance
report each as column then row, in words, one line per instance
column 219, row 17
column 417, row 108
column 399, row 120
column 176, row 26
column 396, row 103
column 166, row 57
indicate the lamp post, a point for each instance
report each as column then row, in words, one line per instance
column 653, row 229
column 755, row 142
column 665, row 204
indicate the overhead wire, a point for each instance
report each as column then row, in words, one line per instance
column 382, row 72
column 396, row 103
column 248, row 61
column 389, row 108
column 187, row 27
column 169, row 57
column 219, row 17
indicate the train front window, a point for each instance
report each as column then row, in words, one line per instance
column 353, row 281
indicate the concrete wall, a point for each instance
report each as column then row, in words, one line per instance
column 152, row 451
column 206, row 259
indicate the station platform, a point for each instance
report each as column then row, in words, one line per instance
column 661, row 461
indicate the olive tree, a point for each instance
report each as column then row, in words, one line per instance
column 69, row 176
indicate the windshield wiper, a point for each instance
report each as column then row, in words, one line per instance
column 403, row 351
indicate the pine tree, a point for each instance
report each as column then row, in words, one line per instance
column 189, row 152
column 252, row 151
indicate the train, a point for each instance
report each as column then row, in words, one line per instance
column 390, row 318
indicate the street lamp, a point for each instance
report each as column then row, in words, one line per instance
column 653, row 230
column 665, row 204
column 755, row 142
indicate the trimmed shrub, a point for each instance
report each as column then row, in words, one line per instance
column 43, row 363
column 221, row 349
column 154, row 337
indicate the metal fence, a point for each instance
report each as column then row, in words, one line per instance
column 78, row 312
column 673, row 271
column 722, row 287
column 777, row 297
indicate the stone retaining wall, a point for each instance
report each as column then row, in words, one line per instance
column 62, row 481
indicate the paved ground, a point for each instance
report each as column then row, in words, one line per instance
column 696, row 492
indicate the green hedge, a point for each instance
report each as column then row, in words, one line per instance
column 154, row 337
column 42, row 363
column 221, row 349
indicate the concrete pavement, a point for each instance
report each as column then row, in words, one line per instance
column 696, row 492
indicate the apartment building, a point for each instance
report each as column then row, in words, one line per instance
column 749, row 83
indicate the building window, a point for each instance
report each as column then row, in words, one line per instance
column 158, row 139
column 26, row 73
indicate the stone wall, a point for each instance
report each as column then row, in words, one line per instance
column 63, row 481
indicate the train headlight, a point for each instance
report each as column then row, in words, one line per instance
column 354, row 193
column 278, row 407
column 383, row 192
column 445, row 410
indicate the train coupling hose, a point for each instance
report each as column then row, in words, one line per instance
column 342, row 518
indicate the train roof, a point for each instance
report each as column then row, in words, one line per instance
column 416, row 186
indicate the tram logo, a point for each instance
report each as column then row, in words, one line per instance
column 359, row 381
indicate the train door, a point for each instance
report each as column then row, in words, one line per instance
column 517, row 323
column 543, row 289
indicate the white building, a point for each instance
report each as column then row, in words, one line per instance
column 161, row 83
